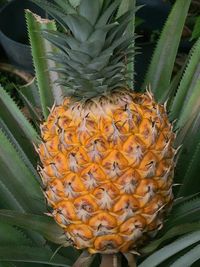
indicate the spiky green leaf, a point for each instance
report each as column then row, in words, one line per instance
column 196, row 30
column 162, row 63
column 107, row 14
column 32, row 255
column 18, row 178
column 186, row 89
column 188, row 258
column 79, row 26
column 34, row 112
column 67, row 6
column 92, row 52
column 90, row 10
column 172, row 233
column 167, row 251
column 124, row 7
column 11, row 137
column 49, row 91
column 42, row 224
column 16, row 122
column 10, row 236
column 31, row 92
column 188, row 164
column 188, row 211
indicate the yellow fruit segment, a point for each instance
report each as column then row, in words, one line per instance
column 107, row 166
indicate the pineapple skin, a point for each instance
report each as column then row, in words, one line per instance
column 107, row 169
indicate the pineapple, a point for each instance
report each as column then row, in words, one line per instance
column 107, row 152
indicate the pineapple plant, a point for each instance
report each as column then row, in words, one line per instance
column 107, row 153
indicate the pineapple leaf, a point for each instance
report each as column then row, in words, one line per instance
column 8, row 198
column 61, row 40
column 90, row 10
column 30, row 91
column 28, row 254
column 9, row 106
column 117, row 32
column 18, row 178
column 124, row 7
column 89, row 58
column 161, row 67
column 169, row 250
column 44, row 225
column 19, row 150
column 35, row 116
column 75, row 3
column 185, row 212
column 54, row 10
column 188, row 165
column 7, row 264
column 169, row 94
column 188, row 258
column 66, row 6
column 189, row 182
column 186, row 87
column 16, row 122
column 74, row 55
column 173, row 232
column 196, row 30
column 80, row 26
column 181, row 200
column 107, row 14
column 10, row 236
column 49, row 92
column 191, row 106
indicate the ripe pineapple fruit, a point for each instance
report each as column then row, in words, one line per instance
column 107, row 152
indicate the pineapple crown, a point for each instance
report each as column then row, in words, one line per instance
column 94, row 48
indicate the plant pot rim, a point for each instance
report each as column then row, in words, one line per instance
column 4, row 35
column 17, row 43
